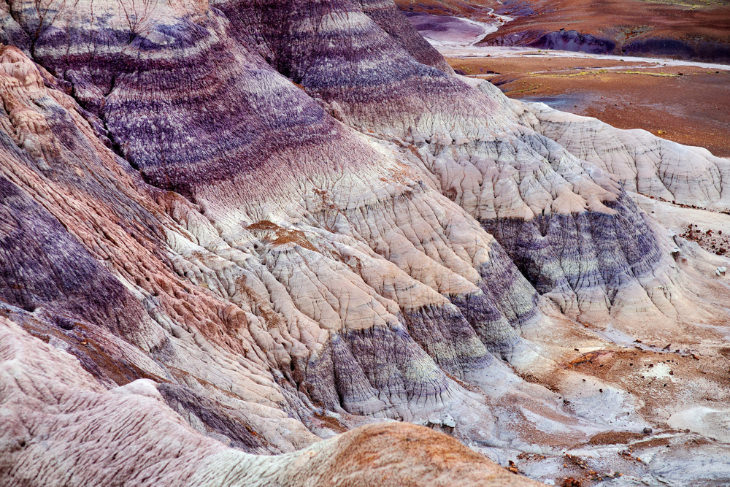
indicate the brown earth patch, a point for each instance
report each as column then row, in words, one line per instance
column 614, row 437
column 279, row 236
column 405, row 454
column 330, row 422
column 665, row 379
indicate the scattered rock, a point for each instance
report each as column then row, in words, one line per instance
column 571, row 482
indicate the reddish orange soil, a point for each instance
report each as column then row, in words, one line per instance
column 475, row 9
column 689, row 105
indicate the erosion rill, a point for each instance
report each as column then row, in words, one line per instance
column 232, row 232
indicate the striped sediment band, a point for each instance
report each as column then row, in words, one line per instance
column 252, row 112
column 583, row 260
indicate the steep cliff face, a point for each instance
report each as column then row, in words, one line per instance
column 280, row 220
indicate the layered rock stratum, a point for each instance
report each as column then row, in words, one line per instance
column 234, row 231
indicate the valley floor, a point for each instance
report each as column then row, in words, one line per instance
column 686, row 104
column 684, row 101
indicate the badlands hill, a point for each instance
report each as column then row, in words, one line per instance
column 235, row 235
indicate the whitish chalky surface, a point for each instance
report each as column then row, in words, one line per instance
column 243, row 227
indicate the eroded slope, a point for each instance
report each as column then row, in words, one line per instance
column 285, row 224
